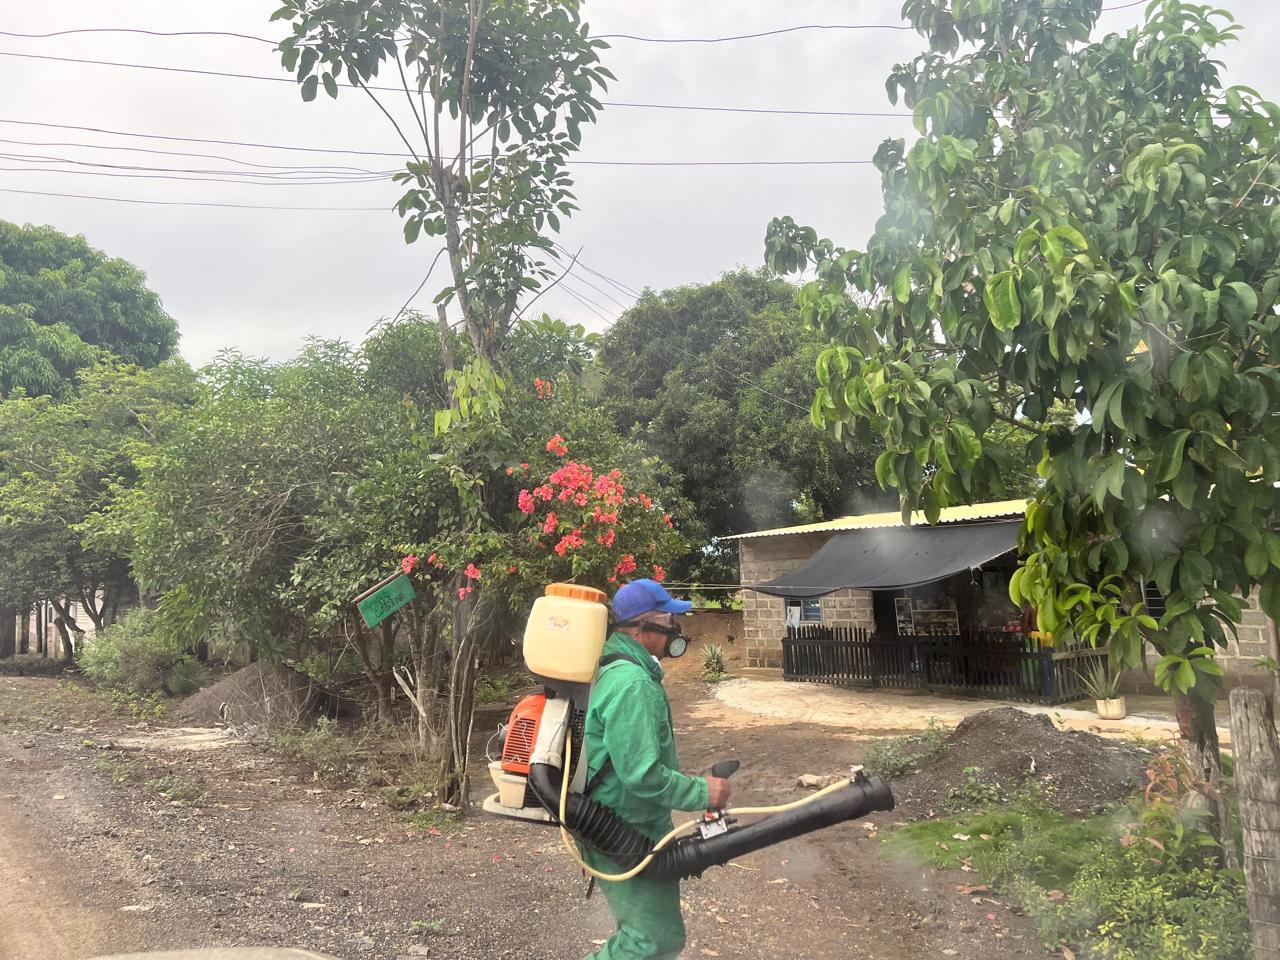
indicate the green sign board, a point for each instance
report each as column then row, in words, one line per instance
column 386, row 600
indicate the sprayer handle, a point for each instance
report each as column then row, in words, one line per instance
column 725, row 769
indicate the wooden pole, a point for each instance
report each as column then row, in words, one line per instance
column 1257, row 761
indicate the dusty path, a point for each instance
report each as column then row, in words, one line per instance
column 269, row 857
column 44, row 915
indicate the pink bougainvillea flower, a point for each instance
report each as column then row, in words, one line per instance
column 645, row 501
column 543, row 493
column 666, row 518
column 472, row 571
column 525, row 501
column 408, row 563
column 551, row 523
column 524, row 467
column 511, row 570
column 557, row 446
column 510, row 471
column 626, row 565
column 606, row 539
column 612, row 578
column 580, row 499
column 659, row 574
column 463, row 591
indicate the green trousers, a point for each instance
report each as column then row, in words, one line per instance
column 650, row 926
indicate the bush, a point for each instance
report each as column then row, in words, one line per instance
column 135, row 657
column 498, row 688
column 892, row 758
column 713, row 669
column 1125, row 905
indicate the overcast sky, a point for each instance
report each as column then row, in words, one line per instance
column 262, row 280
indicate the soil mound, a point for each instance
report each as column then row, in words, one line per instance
column 1076, row 772
column 261, row 695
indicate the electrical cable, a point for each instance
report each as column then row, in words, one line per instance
column 282, row 174
column 780, row 31
column 335, row 168
column 190, row 203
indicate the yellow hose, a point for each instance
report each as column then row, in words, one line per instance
column 572, row 847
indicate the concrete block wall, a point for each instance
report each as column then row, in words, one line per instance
column 764, row 624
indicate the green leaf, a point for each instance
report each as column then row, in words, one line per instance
column 884, row 470
column 1001, row 297
column 309, row 88
column 902, row 283
column 1170, row 458
column 1185, row 678
column 1006, row 210
column 1256, row 560
column 331, row 86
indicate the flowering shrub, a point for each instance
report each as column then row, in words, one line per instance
column 586, row 524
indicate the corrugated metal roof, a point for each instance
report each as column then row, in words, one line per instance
column 893, row 518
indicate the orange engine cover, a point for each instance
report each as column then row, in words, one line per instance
column 522, row 734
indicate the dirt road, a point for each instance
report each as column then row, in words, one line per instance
column 93, row 859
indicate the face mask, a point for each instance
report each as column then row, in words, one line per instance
column 677, row 642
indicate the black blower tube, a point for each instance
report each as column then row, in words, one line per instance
column 599, row 827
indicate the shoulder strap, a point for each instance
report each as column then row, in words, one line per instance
column 607, row 766
column 609, row 658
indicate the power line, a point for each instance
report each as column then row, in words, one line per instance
column 226, row 74
column 187, row 203
column 137, row 30
column 282, row 174
column 574, row 161
column 832, row 27
column 120, row 175
column 780, row 31
column 179, row 153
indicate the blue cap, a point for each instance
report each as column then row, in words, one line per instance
column 642, row 596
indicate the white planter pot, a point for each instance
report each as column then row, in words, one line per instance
column 1112, row 709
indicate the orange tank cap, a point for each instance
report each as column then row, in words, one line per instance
column 575, row 591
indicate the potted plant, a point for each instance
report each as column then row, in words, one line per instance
column 1102, row 682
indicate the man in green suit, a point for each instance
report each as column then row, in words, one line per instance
column 633, row 768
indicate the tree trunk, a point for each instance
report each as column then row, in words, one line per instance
column 40, row 628
column 378, row 673
column 454, row 781
column 386, row 683
column 1257, row 756
column 24, row 634
column 8, row 632
column 63, row 622
column 89, row 603
column 1200, row 744
column 1275, row 677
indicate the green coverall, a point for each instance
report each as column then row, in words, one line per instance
column 629, row 722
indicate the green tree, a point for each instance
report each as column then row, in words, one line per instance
column 65, row 467
column 1089, row 223
column 716, row 379
column 497, row 94
column 63, row 305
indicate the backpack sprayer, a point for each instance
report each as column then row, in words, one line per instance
column 541, row 776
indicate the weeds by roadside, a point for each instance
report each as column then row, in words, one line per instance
column 176, row 788
column 499, row 687
column 713, row 666
column 1137, row 882
column 118, row 769
column 893, row 758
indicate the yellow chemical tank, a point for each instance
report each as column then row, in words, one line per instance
column 566, row 633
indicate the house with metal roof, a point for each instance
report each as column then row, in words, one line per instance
column 869, row 600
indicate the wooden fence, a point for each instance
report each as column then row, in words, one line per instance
column 1000, row 665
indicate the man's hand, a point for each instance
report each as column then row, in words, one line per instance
column 718, row 789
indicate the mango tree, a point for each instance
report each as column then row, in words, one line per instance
column 1092, row 223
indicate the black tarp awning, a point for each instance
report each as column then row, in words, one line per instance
column 892, row 558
